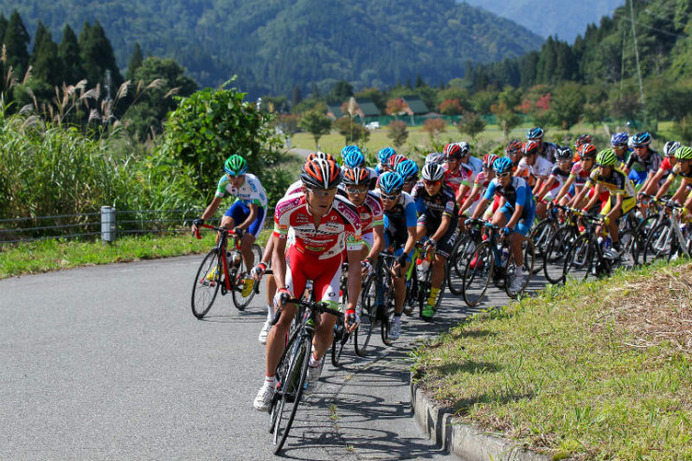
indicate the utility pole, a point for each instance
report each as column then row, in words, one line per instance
column 636, row 54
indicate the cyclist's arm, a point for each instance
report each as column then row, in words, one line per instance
column 682, row 191
column 664, row 188
column 472, row 196
column 547, row 184
column 594, row 199
column 354, row 278
column 251, row 217
column 279, row 261
column 211, row 209
column 377, row 243
column 516, row 216
column 649, row 188
column 619, row 198
column 461, row 193
column 565, row 188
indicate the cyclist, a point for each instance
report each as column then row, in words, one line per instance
column 621, row 191
column 352, row 157
column 578, row 175
column 438, row 220
column 468, row 160
column 619, row 144
column 515, row 216
column 682, row 169
column 547, row 150
column 581, row 140
column 513, row 152
column 642, row 166
column 383, row 156
column 354, row 186
column 480, row 185
column 665, row 169
column 246, row 215
column 534, row 168
column 325, row 224
column 400, row 220
column 457, row 175
column 408, row 170
column 558, row 176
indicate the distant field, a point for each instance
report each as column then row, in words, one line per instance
column 419, row 140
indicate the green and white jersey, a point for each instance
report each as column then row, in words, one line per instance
column 250, row 192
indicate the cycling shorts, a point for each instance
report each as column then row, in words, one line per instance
column 444, row 246
column 240, row 212
column 627, row 205
column 324, row 273
column 523, row 227
column 638, row 177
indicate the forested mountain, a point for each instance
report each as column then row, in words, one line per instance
column 563, row 18
column 274, row 45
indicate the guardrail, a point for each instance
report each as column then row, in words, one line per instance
column 108, row 223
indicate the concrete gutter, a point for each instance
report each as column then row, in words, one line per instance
column 463, row 440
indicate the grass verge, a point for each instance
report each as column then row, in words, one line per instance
column 598, row 370
column 50, row 255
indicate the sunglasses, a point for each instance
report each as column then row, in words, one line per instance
column 431, row 183
column 240, row 176
column 390, row 197
column 357, row 190
column 323, row 192
column 503, row 175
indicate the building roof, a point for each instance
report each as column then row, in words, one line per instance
column 416, row 105
column 335, row 110
column 368, row 108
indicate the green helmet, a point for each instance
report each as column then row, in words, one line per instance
column 683, row 153
column 235, row 165
column 606, row 157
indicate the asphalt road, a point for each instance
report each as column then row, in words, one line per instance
column 108, row 362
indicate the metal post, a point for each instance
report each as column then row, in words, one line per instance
column 108, row 224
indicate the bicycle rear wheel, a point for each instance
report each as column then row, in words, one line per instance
column 363, row 333
column 243, row 288
column 386, row 313
column 457, row 263
column 556, row 251
column 658, row 243
column 579, row 260
column 477, row 274
column 411, row 300
column 206, row 285
column 291, row 389
column 541, row 236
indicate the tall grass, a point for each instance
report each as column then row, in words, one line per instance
column 49, row 169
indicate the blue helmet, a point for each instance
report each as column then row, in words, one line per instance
column 619, row 139
column 391, row 182
column 534, row 133
column 384, row 154
column 353, row 158
column 502, row 165
column 641, row 139
column 408, row 169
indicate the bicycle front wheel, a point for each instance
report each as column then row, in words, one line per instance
column 363, row 333
column 291, row 391
column 386, row 313
column 243, row 286
column 579, row 260
column 457, row 263
column 477, row 274
column 341, row 337
column 556, row 251
column 206, row 285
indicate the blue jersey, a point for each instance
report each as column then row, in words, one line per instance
column 517, row 193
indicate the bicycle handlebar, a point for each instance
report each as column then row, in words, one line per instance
column 209, row 226
column 315, row 306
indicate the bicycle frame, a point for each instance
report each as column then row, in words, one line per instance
column 221, row 247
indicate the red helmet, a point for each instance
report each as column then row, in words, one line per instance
column 395, row 160
column 488, row 160
column 321, row 174
column 587, row 151
column 530, row 147
column 513, row 147
column 452, row 150
column 314, row 155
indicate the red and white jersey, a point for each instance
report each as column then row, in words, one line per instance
column 463, row 175
column 482, row 180
column 295, row 188
column 579, row 174
column 370, row 213
column 339, row 229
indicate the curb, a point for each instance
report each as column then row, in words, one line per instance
column 463, row 440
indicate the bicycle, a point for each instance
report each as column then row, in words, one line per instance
column 423, row 280
column 223, row 271
column 492, row 259
column 341, row 334
column 461, row 251
column 668, row 238
column 292, row 370
column 559, row 245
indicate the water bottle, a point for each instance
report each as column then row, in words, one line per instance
column 504, row 253
column 237, row 257
column 422, row 266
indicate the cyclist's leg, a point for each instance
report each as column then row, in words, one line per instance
column 326, row 288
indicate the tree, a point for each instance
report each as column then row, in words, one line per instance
column 567, row 105
column 434, row 126
column 395, row 107
column 450, row 107
column 352, row 131
column 316, row 123
column 341, row 91
column 97, row 57
column 296, row 96
column 397, row 132
column 163, row 79
column 68, row 52
column 135, row 62
column 471, row 124
column 506, row 118
column 16, row 41
column 210, row 125
column 44, row 59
